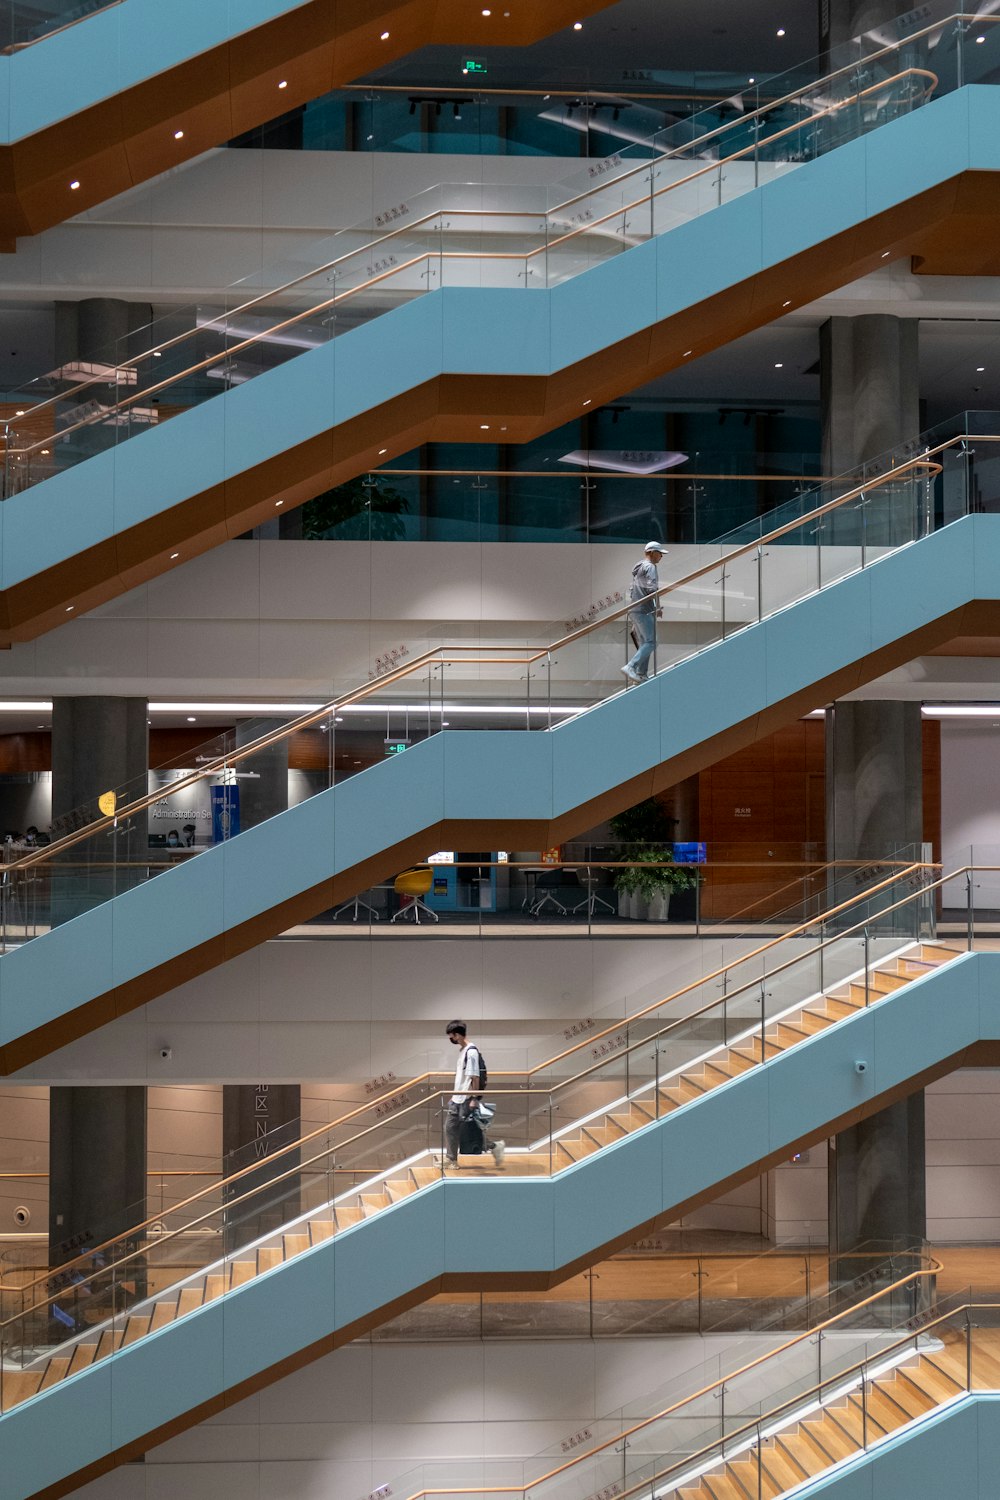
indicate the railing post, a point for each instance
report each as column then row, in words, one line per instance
column 968, row 1350
column 763, row 1025
column 864, row 1411
column 867, row 980
column 970, row 921
column 760, row 584
column 760, row 1467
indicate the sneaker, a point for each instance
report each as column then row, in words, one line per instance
column 498, row 1148
column 632, row 676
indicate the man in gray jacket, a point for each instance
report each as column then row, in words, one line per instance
column 643, row 617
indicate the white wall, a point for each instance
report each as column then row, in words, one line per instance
column 970, row 805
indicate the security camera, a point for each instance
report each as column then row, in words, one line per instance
column 861, row 1066
column 166, row 1053
column 22, row 1216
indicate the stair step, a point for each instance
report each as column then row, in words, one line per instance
column 295, row 1244
column 831, row 1441
column 576, row 1148
column 82, row 1356
column 136, row 1328
column 163, row 1313
column 348, row 1214
column 781, row 1468
column 110, row 1340
column 936, row 1381
column 269, row 1256
column 215, row 1285
column 241, row 1271
column 603, row 1135
column 424, row 1176
column 18, row 1385
column 56, row 1370
column 938, row 952
column 320, row 1230
column 744, row 1471
column 373, row 1203
column 190, row 1297
column 914, row 1397
column 400, row 1187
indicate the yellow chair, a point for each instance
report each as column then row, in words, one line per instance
column 414, row 883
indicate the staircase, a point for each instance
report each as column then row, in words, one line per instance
column 567, row 1148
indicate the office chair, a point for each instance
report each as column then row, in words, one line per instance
column 355, row 907
column 414, row 883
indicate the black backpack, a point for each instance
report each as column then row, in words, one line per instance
column 482, row 1069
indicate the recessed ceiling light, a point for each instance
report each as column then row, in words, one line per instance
column 788, row 303
column 381, row 451
column 444, row 723
column 980, row 369
column 779, row 366
column 588, row 401
column 686, row 353
column 385, row 36
column 157, row 354
column 174, row 555
column 885, row 255
column 178, row 135
column 75, row 184
column 752, row 80
column 980, row 40
column 191, row 719
column 487, row 12
column 277, row 503
column 577, row 25
column 45, row 452
column 70, row 608
column 19, row 414
column 780, row 31
column 283, row 84
column 484, row 427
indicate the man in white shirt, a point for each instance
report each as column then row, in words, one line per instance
column 645, row 611
column 468, row 1089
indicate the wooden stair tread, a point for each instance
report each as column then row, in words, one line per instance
column 136, row 1328
column 214, row 1286
column 18, row 1386
column 295, row 1243
column 109, row 1341
column 56, row 1370
column 163, row 1313
column 241, row 1271
column 269, row 1256
column 348, row 1214
column 189, row 1298
column 83, row 1355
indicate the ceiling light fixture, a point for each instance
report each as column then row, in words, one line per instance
column 780, row 31
column 277, row 503
column 487, row 12
column 157, row 354
column 174, row 556
column 577, row 25
column 385, row 36
column 191, row 719
column 283, row 84
column 885, row 255
column 178, row 135
column 686, row 353
column 779, row 366
column 19, row 414
column 74, row 184
column 70, row 608
column 980, row 40
column 484, row 427
column 980, row 369
column 588, row 401
column 381, row 451
column 788, row 303
column 751, row 80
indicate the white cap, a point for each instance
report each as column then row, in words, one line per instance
column 655, row 547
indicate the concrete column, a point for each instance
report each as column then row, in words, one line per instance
column 97, row 1167
column 842, row 20
column 874, row 779
column 869, row 388
column 101, row 328
column 97, row 1149
column 876, row 1169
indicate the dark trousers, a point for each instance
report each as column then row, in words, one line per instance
column 462, row 1133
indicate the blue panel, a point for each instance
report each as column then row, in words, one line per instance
column 907, row 155
column 720, row 249
column 612, row 301
column 162, row 467
column 731, row 1124
column 273, row 1316
column 920, row 583
column 933, row 1018
column 141, row 937
column 156, row 37
column 48, row 978
column 939, row 1458
column 984, row 127
column 506, row 1225
column 400, row 1249
column 388, row 356
column 988, row 1413
column 621, row 1185
column 382, row 805
column 57, row 1434
column 809, row 1083
column 39, row 532
column 276, row 411
column 68, row 72
column 157, row 1379
column 736, row 669
column 623, row 734
column 493, row 331
column 813, row 203
column 477, row 769
column 986, row 557
column 278, row 859
column 818, row 636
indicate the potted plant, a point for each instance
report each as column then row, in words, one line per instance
column 649, row 878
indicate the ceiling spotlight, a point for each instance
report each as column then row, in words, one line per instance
column 381, row 451
column 75, row 184
column 980, row 369
column 885, row 255
column 19, row 414
column 980, row 40
column 191, row 719
column 174, row 556
column 178, row 135
column 751, row 80
column 46, row 452
column 70, row 608
column 788, row 303
column 278, row 503
column 484, row 427
column 588, row 401
column 687, row 352
column 779, row 366
column 385, row 36
column 157, row 354
column 283, row 84
column 577, row 25
column 487, row 12
column 780, row 31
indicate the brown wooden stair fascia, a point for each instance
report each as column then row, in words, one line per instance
column 232, row 88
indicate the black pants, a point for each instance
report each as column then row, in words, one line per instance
column 462, row 1132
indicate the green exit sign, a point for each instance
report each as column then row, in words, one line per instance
column 395, row 747
column 474, row 65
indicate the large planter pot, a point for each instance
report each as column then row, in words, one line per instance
column 658, row 908
column 624, row 903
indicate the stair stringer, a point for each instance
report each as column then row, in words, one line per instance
column 482, row 1234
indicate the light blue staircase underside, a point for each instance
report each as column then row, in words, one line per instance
column 459, row 1230
column 475, row 330
column 506, row 775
